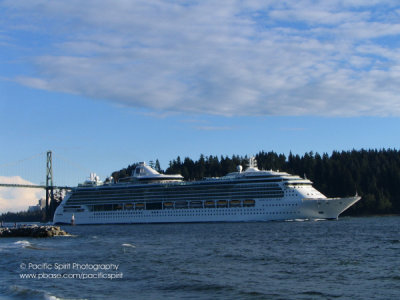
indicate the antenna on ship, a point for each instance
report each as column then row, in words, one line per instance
column 252, row 162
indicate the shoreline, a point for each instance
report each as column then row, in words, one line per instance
column 32, row 231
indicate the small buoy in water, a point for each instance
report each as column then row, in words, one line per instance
column 73, row 220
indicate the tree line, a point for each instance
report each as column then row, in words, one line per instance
column 24, row 216
column 373, row 174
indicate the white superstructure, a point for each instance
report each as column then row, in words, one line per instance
column 151, row 197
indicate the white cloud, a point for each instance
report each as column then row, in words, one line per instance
column 216, row 57
column 18, row 199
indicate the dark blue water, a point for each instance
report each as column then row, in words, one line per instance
column 352, row 258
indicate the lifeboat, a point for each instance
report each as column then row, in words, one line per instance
column 209, row 204
column 221, row 203
column 181, row 204
column 168, row 204
column 128, row 206
column 196, row 204
column 249, row 202
column 234, row 203
column 139, row 205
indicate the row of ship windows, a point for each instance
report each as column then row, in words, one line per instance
column 220, row 189
column 132, row 201
column 187, row 214
column 174, row 191
column 173, row 205
column 175, row 197
column 142, row 212
column 170, row 205
column 182, row 193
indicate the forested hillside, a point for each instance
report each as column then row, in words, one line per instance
column 374, row 174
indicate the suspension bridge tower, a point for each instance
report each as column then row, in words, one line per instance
column 49, row 184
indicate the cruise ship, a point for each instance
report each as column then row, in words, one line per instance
column 242, row 196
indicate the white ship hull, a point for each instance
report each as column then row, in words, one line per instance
column 263, row 210
column 151, row 197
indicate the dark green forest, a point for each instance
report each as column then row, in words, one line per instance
column 373, row 174
column 23, row 216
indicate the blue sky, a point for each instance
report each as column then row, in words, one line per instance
column 108, row 83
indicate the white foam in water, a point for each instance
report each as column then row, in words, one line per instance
column 21, row 291
column 23, row 243
column 27, row 245
column 51, row 297
column 15, row 245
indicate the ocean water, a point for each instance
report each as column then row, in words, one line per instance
column 352, row 258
